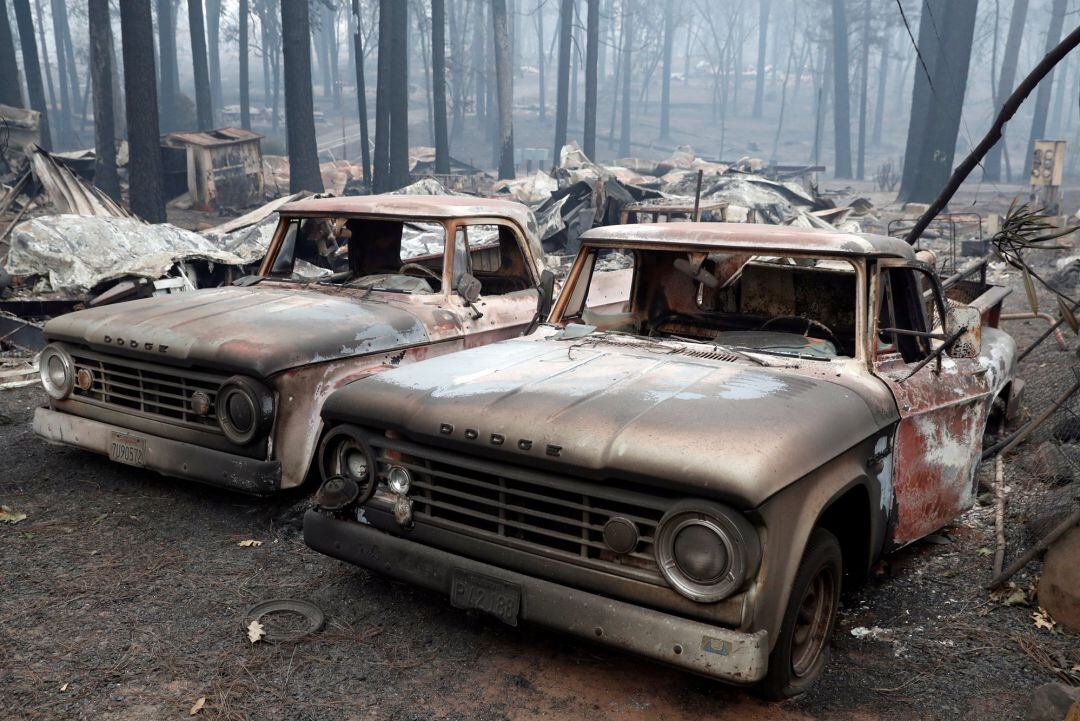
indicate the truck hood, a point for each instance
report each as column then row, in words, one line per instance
column 729, row 430
column 256, row 330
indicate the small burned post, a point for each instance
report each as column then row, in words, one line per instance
column 144, row 166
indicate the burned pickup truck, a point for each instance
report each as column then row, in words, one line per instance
column 690, row 476
column 225, row 385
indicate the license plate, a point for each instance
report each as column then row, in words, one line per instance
column 124, row 448
column 490, row 595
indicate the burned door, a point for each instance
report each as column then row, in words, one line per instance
column 943, row 405
column 492, row 256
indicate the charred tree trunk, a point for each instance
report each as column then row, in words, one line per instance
column 119, row 119
column 399, row 104
column 505, row 84
column 1042, row 97
column 10, row 91
column 63, row 111
column 946, row 32
column 479, row 50
column 438, row 85
column 628, row 71
column 1054, row 129
column 170, row 72
column 592, row 56
column 66, row 52
column 105, row 175
column 144, row 140
column 882, row 82
column 381, row 177
column 992, row 163
column 265, row 53
column 842, row 106
column 562, row 100
column 299, row 108
column 213, row 46
column 34, row 88
column 864, row 89
column 245, row 81
column 43, row 49
column 275, row 65
column 763, row 36
column 203, row 103
column 575, row 68
column 665, row 81
column 361, row 91
column 541, row 58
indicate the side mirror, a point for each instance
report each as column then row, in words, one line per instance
column 547, row 295
column 468, row 287
column 968, row 319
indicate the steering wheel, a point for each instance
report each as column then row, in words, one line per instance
column 422, row 268
column 810, row 323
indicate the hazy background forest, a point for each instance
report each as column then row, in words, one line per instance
column 794, row 82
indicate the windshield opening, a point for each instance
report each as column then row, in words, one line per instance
column 373, row 254
column 799, row 306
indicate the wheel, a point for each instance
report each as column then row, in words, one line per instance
column 799, row 654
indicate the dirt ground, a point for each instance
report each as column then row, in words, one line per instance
column 123, row 594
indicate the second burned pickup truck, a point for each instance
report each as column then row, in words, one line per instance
column 690, row 476
column 225, row 385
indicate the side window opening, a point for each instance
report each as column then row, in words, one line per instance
column 901, row 307
column 496, row 259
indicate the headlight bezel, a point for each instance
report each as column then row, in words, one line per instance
column 48, row 353
column 260, row 400
column 336, row 444
column 733, row 532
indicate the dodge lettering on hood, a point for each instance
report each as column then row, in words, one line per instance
column 225, row 385
column 692, row 474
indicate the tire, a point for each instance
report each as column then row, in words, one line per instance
column 800, row 652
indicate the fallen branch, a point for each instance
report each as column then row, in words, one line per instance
column 993, row 135
column 1026, row 556
column 1017, row 438
column 999, row 506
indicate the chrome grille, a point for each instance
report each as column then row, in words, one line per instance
column 148, row 389
column 552, row 516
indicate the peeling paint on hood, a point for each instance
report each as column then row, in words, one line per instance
column 260, row 330
column 729, row 430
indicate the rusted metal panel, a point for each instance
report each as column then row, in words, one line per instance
column 939, row 438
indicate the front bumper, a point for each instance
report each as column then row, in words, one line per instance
column 712, row 651
column 164, row 455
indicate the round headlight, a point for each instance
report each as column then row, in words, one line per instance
column 706, row 551
column 399, row 480
column 57, row 374
column 344, row 453
column 245, row 409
